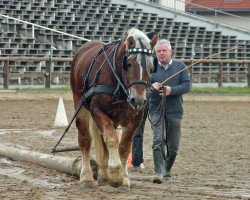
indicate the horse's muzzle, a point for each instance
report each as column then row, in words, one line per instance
column 137, row 102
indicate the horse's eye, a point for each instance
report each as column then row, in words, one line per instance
column 129, row 65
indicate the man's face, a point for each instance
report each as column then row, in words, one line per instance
column 163, row 53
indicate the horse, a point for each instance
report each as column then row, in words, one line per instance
column 108, row 83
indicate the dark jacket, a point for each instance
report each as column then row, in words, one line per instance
column 180, row 84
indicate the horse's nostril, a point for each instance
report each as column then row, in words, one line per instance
column 132, row 101
column 137, row 102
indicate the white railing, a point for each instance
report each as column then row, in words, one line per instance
column 43, row 27
column 216, row 16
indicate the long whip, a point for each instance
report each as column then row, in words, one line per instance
column 162, row 83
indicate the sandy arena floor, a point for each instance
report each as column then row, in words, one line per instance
column 213, row 162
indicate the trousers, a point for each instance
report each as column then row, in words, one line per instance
column 172, row 134
column 137, row 145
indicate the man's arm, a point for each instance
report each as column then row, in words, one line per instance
column 185, row 85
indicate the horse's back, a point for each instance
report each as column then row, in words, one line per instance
column 89, row 46
column 86, row 53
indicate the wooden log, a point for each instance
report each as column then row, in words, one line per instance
column 71, row 166
column 66, row 149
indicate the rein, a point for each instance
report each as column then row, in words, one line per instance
column 102, row 49
column 113, row 69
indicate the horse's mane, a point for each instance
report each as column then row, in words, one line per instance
column 137, row 34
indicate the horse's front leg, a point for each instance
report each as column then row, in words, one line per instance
column 125, row 150
column 130, row 124
column 111, row 139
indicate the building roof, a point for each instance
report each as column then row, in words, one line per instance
column 227, row 5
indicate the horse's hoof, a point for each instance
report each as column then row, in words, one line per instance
column 126, row 182
column 115, row 176
column 102, row 181
column 116, row 184
column 88, row 184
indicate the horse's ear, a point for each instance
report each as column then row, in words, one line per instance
column 130, row 42
column 154, row 40
column 126, row 35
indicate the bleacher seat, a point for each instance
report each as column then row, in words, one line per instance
column 106, row 21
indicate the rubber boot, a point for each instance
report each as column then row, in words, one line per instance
column 168, row 164
column 158, row 163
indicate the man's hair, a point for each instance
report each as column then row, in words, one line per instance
column 164, row 41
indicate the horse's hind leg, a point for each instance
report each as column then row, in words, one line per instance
column 84, row 141
column 101, row 153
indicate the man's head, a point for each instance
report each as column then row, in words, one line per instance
column 163, row 51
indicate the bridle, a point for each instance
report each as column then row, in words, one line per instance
column 144, row 52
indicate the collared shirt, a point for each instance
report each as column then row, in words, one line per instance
column 166, row 66
column 180, row 84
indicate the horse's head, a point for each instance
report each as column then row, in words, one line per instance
column 138, row 65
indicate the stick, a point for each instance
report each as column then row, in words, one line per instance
column 162, row 83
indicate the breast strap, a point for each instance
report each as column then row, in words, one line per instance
column 97, row 89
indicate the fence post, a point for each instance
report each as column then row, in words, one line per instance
column 191, row 71
column 48, row 74
column 248, row 75
column 220, row 79
column 6, row 74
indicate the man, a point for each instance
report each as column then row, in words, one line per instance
column 167, row 132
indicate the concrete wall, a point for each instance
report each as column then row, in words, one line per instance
column 181, row 16
column 173, row 4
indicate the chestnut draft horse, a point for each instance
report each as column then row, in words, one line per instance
column 110, row 81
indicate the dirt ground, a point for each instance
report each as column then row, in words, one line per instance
column 213, row 161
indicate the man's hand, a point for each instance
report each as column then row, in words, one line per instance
column 164, row 90
column 167, row 90
column 156, row 86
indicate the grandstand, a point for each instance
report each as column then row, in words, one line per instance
column 108, row 20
